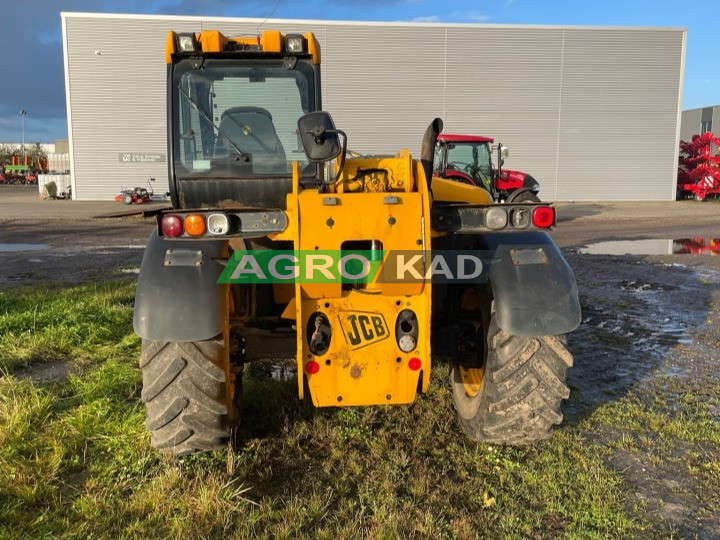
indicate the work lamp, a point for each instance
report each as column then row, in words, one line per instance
column 295, row 43
column 186, row 43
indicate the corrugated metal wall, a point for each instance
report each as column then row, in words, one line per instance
column 592, row 113
column 692, row 121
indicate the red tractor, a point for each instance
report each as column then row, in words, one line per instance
column 467, row 159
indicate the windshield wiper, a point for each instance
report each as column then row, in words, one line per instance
column 205, row 117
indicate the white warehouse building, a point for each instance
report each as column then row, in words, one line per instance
column 593, row 113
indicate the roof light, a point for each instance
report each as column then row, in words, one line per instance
column 543, row 217
column 171, row 225
column 295, row 43
column 496, row 218
column 187, row 43
column 195, row 225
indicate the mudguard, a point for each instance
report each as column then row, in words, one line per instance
column 514, row 195
column 177, row 297
column 533, row 286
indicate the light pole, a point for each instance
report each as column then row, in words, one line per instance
column 23, row 112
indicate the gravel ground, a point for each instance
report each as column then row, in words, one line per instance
column 645, row 317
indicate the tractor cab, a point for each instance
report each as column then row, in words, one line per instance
column 466, row 159
column 234, row 105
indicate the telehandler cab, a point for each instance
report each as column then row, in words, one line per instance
column 250, row 176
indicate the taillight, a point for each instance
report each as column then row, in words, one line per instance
column 218, row 224
column 195, row 225
column 414, row 363
column 496, row 218
column 312, row 367
column 543, row 217
column 406, row 330
column 172, row 226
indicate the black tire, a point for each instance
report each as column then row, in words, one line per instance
column 526, row 196
column 127, row 199
column 188, row 395
column 521, row 391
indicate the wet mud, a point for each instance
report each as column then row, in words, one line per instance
column 649, row 333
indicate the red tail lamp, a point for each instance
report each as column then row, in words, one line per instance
column 312, row 367
column 543, row 217
column 171, row 225
column 414, row 363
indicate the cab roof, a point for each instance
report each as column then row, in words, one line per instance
column 449, row 137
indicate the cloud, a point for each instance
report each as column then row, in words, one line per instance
column 468, row 16
column 33, row 74
column 454, row 17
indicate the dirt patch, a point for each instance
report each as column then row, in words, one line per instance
column 45, row 373
column 650, row 333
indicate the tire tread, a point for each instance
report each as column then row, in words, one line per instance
column 521, row 393
column 187, row 395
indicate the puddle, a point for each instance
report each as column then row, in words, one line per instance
column 9, row 248
column 680, row 246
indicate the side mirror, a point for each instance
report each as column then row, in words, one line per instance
column 320, row 139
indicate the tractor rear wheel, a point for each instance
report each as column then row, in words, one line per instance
column 527, row 196
column 517, row 400
column 189, row 394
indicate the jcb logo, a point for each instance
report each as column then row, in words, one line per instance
column 362, row 328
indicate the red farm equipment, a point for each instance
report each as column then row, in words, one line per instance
column 699, row 167
column 697, row 246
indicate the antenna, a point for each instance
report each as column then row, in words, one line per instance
column 277, row 3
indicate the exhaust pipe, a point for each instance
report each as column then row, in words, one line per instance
column 427, row 153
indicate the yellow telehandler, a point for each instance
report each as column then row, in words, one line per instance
column 363, row 269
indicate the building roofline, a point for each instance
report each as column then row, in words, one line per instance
column 265, row 22
column 701, row 108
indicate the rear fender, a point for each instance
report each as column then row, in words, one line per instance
column 177, row 297
column 533, row 286
column 514, row 194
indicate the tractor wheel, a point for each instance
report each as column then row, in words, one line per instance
column 189, row 394
column 526, row 196
column 127, row 199
column 515, row 399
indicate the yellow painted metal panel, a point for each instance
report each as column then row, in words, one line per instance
column 169, row 47
column 451, row 191
column 272, row 41
column 212, row 41
column 364, row 365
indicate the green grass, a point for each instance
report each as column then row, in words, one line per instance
column 49, row 324
column 75, row 459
